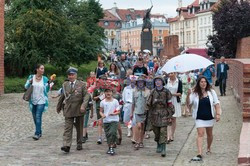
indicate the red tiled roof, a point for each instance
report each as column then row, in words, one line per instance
column 173, row 19
column 133, row 13
column 109, row 16
column 188, row 16
column 195, row 4
column 213, row 7
column 112, row 25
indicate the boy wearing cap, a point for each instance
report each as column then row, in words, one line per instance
column 73, row 101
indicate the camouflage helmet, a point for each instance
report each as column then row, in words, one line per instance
column 159, row 77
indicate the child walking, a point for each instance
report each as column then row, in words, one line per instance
column 109, row 111
column 89, row 113
column 140, row 95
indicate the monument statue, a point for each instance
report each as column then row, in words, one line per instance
column 146, row 20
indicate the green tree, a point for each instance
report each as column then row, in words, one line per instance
column 231, row 21
column 59, row 32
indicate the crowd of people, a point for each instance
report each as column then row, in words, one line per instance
column 134, row 92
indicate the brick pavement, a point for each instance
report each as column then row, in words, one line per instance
column 18, row 148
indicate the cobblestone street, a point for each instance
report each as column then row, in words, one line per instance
column 18, row 148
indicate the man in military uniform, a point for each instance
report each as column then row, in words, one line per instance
column 160, row 113
column 73, row 101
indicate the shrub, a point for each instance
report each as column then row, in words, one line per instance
column 14, row 85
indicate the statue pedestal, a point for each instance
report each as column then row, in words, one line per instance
column 147, row 41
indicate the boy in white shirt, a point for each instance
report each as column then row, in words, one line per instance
column 109, row 111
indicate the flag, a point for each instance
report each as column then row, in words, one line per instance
column 94, row 123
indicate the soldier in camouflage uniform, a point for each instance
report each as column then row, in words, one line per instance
column 160, row 113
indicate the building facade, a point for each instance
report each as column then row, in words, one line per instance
column 112, row 23
column 131, row 34
column 205, row 21
column 193, row 24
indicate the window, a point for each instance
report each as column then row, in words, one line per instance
column 118, row 24
column 106, row 23
column 193, row 23
column 128, row 17
column 205, row 21
column 160, row 38
column 106, row 33
column 201, row 21
column 160, row 31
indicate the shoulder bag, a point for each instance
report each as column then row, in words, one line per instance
column 27, row 94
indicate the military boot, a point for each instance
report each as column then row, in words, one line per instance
column 163, row 152
column 159, row 148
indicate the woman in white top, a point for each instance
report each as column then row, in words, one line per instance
column 39, row 98
column 175, row 87
column 206, row 108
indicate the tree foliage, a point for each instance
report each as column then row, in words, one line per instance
column 58, row 32
column 231, row 22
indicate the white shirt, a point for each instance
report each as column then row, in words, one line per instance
column 222, row 67
column 38, row 92
column 127, row 94
column 73, row 84
column 108, row 108
column 194, row 100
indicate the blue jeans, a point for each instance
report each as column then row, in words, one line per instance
column 37, row 113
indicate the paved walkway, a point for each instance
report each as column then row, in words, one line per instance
column 18, row 148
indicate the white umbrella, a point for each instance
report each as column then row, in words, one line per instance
column 186, row 62
column 147, row 51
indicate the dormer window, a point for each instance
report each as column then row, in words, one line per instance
column 106, row 23
column 118, row 24
column 128, row 17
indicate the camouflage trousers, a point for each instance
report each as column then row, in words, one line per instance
column 160, row 134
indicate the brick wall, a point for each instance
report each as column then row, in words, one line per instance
column 1, row 47
column 239, row 81
column 171, row 46
column 243, row 48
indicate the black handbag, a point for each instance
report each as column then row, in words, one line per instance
column 27, row 94
column 217, row 83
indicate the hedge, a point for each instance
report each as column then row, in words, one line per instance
column 16, row 84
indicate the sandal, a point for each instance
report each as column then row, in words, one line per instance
column 197, row 158
column 137, row 146
column 141, row 145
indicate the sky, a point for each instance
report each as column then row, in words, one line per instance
column 160, row 6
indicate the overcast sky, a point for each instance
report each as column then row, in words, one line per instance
column 160, row 6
